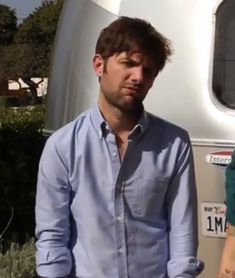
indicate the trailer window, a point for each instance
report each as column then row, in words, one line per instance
column 223, row 80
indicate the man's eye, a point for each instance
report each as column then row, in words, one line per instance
column 129, row 63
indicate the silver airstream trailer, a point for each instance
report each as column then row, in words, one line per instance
column 196, row 90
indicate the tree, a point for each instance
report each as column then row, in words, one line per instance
column 8, row 25
column 29, row 55
column 8, row 28
column 38, row 30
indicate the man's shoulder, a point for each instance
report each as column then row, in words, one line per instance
column 166, row 127
column 68, row 131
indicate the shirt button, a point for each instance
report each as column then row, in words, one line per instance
column 121, row 250
column 114, row 154
column 122, row 187
column 119, row 218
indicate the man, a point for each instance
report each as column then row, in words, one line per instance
column 227, row 267
column 116, row 192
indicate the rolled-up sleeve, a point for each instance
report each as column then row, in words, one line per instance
column 53, row 257
column 182, row 213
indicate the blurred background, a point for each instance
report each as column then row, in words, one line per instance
column 27, row 31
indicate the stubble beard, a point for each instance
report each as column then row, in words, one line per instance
column 124, row 106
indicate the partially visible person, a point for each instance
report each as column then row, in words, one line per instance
column 227, row 266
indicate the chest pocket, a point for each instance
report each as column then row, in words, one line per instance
column 145, row 197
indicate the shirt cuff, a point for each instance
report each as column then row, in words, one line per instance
column 189, row 267
column 53, row 263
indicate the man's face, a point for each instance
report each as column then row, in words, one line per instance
column 125, row 79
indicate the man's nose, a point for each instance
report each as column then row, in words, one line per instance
column 137, row 75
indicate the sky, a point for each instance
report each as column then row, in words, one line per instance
column 23, row 7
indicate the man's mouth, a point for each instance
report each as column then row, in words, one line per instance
column 132, row 88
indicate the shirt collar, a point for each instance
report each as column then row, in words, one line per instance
column 140, row 127
column 98, row 121
column 102, row 126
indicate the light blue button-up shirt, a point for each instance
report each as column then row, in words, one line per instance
column 99, row 217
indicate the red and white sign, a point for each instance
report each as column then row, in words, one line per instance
column 220, row 158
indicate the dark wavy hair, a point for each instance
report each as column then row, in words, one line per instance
column 131, row 34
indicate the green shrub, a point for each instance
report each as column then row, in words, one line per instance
column 23, row 119
column 18, row 261
column 21, row 142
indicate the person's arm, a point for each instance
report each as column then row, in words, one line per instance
column 53, row 257
column 227, row 265
column 182, row 217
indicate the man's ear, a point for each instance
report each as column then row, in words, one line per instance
column 98, row 65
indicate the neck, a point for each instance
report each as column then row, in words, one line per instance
column 121, row 122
